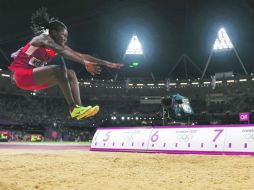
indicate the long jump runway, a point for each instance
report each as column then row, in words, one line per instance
column 44, row 146
column 42, row 166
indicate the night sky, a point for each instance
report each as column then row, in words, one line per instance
column 166, row 29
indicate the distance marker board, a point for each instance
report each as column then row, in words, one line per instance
column 207, row 139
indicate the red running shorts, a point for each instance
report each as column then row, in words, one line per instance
column 24, row 80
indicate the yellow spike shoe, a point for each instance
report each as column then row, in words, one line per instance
column 79, row 110
column 91, row 112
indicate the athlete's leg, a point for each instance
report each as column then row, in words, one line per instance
column 55, row 75
column 74, row 84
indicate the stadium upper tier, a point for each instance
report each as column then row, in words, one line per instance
column 136, row 88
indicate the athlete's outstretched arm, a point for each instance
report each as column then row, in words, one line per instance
column 46, row 41
column 92, row 60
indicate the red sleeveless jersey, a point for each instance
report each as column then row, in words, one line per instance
column 31, row 57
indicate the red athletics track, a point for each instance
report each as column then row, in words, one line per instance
column 42, row 146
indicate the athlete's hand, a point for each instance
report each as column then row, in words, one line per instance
column 93, row 69
column 114, row 65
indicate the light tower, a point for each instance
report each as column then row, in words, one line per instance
column 134, row 52
column 223, row 43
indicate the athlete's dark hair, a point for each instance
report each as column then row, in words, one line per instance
column 40, row 21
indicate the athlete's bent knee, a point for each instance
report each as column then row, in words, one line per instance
column 61, row 73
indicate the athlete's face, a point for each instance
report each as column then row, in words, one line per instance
column 60, row 36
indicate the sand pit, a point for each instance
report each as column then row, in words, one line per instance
column 62, row 170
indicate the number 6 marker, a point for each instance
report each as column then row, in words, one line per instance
column 155, row 137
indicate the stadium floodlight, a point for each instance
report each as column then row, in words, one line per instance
column 222, row 42
column 134, row 47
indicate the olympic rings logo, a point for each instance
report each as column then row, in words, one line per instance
column 130, row 137
column 185, row 137
column 249, row 137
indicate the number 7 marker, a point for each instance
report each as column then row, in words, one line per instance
column 218, row 134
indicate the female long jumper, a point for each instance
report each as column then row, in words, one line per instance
column 31, row 71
